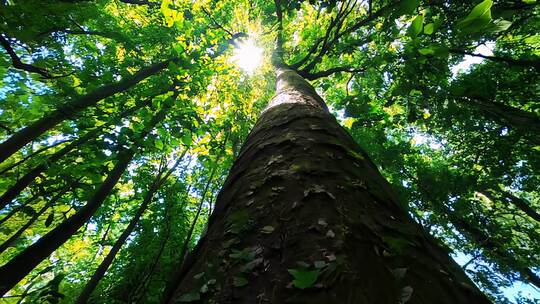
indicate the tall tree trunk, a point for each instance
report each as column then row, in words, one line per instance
column 31, row 175
column 481, row 239
column 31, row 132
column 25, row 204
column 305, row 217
column 21, row 230
column 18, row 267
column 525, row 122
column 492, row 247
column 520, row 203
column 176, row 277
column 31, row 155
column 102, row 268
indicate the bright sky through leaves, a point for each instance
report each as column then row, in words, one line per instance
column 485, row 49
column 248, row 56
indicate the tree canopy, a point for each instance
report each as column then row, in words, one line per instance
column 128, row 114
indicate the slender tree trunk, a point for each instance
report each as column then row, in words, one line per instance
column 176, row 277
column 147, row 280
column 520, row 203
column 31, row 155
column 483, row 240
column 492, row 247
column 18, row 267
column 305, row 217
column 518, row 119
column 31, row 132
column 31, row 176
column 102, row 268
column 21, row 230
column 510, row 61
column 18, row 208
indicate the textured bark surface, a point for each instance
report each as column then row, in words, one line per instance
column 303, row 196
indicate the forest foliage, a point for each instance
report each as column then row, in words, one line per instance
column 150, row 91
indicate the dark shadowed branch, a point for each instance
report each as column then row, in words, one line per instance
column 141, row 2
column 325, row 73
column 18, row 64
column 511, row 61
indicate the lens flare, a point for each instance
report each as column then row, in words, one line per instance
column 247, row 56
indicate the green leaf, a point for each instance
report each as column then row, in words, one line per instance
column 159, row 144
column 186, row 139
column 434, row 50
column 478, row 18
column 190, row 297
column 430, row 28
column 498, row 25
column 408, row 6
column 267, row 229
column 239, row 281
column 238, row 221
column 416, row 26
column 245, row 254
column 304, row 278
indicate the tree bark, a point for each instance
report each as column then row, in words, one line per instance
column 304, row 199
column 18, row 267
column 31, row 132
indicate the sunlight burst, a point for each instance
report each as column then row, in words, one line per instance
column 247, row 56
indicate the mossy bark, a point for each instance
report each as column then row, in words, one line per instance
column 302, row 198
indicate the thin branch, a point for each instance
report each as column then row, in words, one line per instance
column 317, row 75
column 6, row 128
column 338, row 33
column 207, row 13
column 516, row 62
column 32, row 155
column 18, row 64
column 141, row 2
